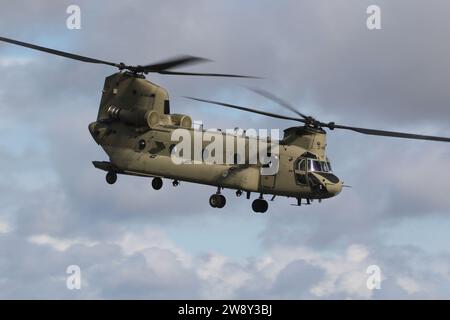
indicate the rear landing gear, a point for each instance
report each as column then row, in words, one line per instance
column 111, row 177
column 260, row 205
column 217, row 201
column 157, row 183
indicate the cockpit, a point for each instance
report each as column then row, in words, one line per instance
column 314, row 165
column 316, row 174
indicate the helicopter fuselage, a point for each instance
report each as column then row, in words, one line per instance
column 135, row 127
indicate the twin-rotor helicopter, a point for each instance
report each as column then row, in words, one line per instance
column 134, row 127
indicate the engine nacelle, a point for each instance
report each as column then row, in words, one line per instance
column 150, row 118
column 181, row 120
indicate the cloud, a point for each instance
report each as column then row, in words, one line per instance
column 144, row 263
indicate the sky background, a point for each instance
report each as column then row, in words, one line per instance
column 133, row 242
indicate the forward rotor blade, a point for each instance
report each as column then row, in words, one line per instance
column 161, row 67
column 172, row 63
column 277, row 100
column 264, row 113
column 59, row 53
column 394, row 134
column 206, row 74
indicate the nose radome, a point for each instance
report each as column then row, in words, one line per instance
column 335, row 188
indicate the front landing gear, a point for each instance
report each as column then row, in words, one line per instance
column 111, row 177
column 260, row 205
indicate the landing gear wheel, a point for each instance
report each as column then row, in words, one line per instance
column 260, row 205
column 217, row 201
column 157, row 183
column 175, row 183
column 111, row 177
column 222, row 201
column 214, row 200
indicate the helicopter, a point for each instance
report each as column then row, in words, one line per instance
column 135, row 127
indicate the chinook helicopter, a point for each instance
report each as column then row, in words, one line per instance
column 135, row 127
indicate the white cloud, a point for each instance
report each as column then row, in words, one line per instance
column 4, row 227
column 58, row 243
column 408, row 284
column 221, row 277
column 138, row 241
column 357, row 253
column 14, row 61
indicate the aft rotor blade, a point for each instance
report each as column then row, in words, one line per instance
column 59, row 53
column 278, row 100
column 264, row 113
column 206, row 74
column 173, row 63
column 394, row 134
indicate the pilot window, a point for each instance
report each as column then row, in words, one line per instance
column 300, row 175
column 301, row 165
column 319, row 166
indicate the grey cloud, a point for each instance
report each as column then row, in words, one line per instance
column 297, row 277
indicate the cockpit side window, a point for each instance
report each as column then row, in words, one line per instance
column 301, row 166
column 300, row 171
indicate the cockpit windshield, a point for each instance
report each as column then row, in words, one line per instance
column 319, row 166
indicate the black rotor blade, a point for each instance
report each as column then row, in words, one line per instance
column 161, row 67
column 59, row 53
column 277, row 100
column 206, row 74
column 264, row 113
column 384, row 133
column 172, row 63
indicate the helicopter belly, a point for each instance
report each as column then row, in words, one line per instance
column 145, row 164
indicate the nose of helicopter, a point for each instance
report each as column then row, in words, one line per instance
column 334, row 188
column 331, row 184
